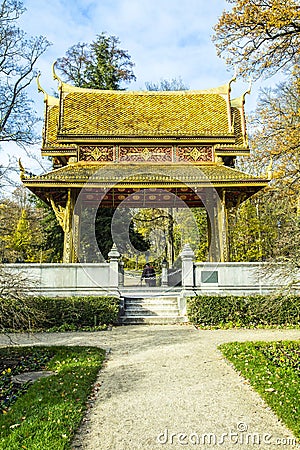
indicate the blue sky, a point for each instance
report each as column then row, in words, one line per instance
column 165, row 39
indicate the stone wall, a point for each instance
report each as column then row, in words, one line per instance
column 65, row 279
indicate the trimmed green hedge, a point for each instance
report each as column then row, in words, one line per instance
column 67, row 313
column 250, row 311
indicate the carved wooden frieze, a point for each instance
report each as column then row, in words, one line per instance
column 195, row 154
column 145, row 154
column 96, row 153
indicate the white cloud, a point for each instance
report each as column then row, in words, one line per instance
column 165, row 38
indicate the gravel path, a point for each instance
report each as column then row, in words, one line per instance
column 168, row 387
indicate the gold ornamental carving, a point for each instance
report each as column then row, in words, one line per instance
column 96, row 153
column 195, row 154
column 146, row 154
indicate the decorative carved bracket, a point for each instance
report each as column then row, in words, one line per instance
column 60, row 213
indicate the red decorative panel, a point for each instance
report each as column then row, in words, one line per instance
column 195, row 154
column 145, row 154
column 96, row 153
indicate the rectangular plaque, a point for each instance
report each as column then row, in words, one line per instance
column 209, row 276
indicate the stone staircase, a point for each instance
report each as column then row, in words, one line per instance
column 153, row 309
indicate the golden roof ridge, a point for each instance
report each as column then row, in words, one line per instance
column 221, row 90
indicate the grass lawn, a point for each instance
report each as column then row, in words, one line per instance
column 47, row 415
column 273, row 369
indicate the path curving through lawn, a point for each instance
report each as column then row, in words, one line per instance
column 169, row 387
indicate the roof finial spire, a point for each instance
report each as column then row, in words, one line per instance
column 40, row 89
column 55, row 76
column 233, row 78
column 22, row 170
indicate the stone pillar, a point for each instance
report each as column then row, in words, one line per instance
column 187, row 257
column 114, row 257
column 121, row 273
column 164, row 273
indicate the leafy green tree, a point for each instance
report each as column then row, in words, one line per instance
column 199, row 243
column 9, row 216
column 22, row 238
column 52, row 242
column 103, row 227
column 98, row 65
column 260, row 37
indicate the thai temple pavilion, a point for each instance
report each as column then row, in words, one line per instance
column 151, row 148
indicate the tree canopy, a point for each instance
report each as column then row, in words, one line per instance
column 100, row 64
column 260, row 37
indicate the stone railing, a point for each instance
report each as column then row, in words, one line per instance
column 70, row 279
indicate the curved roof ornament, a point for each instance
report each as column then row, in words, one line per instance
column 240, row 101
column 40, row 89
column 55, row 76
column 22, row 169
column 233, row 78
column 48, row 99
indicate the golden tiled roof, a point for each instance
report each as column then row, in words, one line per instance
column 78, row 174
column 94, row 112
column 237, row 124
column 51, row 126
column 50, row 137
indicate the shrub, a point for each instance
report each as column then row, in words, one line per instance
column 68, row 313
column 16, row 309
column 247, row 311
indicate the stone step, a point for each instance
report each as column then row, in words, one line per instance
column 151, row 309
column 154, row 304
column 148, row 292
column 151, row 313
column 149, row 320
column 145, row 299
column 155, row 309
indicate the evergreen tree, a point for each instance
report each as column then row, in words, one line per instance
column 98, row 65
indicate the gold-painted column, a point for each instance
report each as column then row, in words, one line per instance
column 69, row 248
column 69, row 224
column 217, row 222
